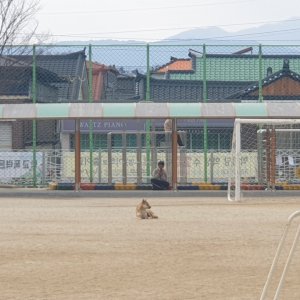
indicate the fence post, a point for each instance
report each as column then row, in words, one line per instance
column 44, row 168
column 205, row 137
column 99, row 165
column 237, row 161
column 153, row 150
column 124, row 158
column 183, row 159
column 91, row 138
column 174, row 154
column 212, row 164
column 148, row 122
column 34, row 164
column 77, row 155
column 139, row 157
column 260, row 97
column 109, row 158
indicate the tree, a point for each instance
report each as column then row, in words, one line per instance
column 18, row 25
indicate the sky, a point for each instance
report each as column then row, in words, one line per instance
column 69, row 20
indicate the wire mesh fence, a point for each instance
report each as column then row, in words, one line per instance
column 133, row 73
column 122, row 156
column 119, row 152
column 161, row 73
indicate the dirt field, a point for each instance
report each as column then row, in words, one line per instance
column 97, row 249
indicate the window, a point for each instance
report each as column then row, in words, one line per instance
column 217, row 138
column 99, row 141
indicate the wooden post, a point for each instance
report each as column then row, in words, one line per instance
column 273, row 158
column 109, row 158
column 124, row 159
column 139, row 170
column 174, row 154
column 77, row 155
column 268, row 157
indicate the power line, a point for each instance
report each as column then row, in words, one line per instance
column 142, row 9
column 171, row 28
column 189, row 39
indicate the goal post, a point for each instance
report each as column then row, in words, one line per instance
column 265, row 154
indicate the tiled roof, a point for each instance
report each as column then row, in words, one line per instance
column 233, row 67
column 16, row 80
column 176, row 65
column 9, row 61
column 162, row 90
column 124, row 89
column 192, row 91
column 285, row 73
column 70, row 66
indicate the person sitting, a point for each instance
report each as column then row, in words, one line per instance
column 159, row 180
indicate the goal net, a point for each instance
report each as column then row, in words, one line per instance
column 265, row 155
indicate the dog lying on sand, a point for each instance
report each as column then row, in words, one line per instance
column 143, row 211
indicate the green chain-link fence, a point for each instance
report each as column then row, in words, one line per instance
column 133, row 73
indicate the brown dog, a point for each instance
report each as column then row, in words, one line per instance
column 143, row 211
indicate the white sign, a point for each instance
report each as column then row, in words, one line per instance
column 15, row 165
column 218, row 165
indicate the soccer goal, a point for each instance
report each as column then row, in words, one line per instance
column 265, row 155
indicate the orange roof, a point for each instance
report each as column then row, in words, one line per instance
column 176, row 65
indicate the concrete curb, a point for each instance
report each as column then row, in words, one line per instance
column 48, row 194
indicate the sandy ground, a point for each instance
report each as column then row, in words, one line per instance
column 97, row 249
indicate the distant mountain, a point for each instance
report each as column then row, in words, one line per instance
column 279, row 33
column 276, row 35
column 285, row 32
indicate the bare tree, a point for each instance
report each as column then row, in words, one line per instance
column 18, row 25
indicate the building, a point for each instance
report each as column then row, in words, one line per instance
column 16, row 88
column 226, row 75
column 109, row 85
column 59, row 78
column 228, row 78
